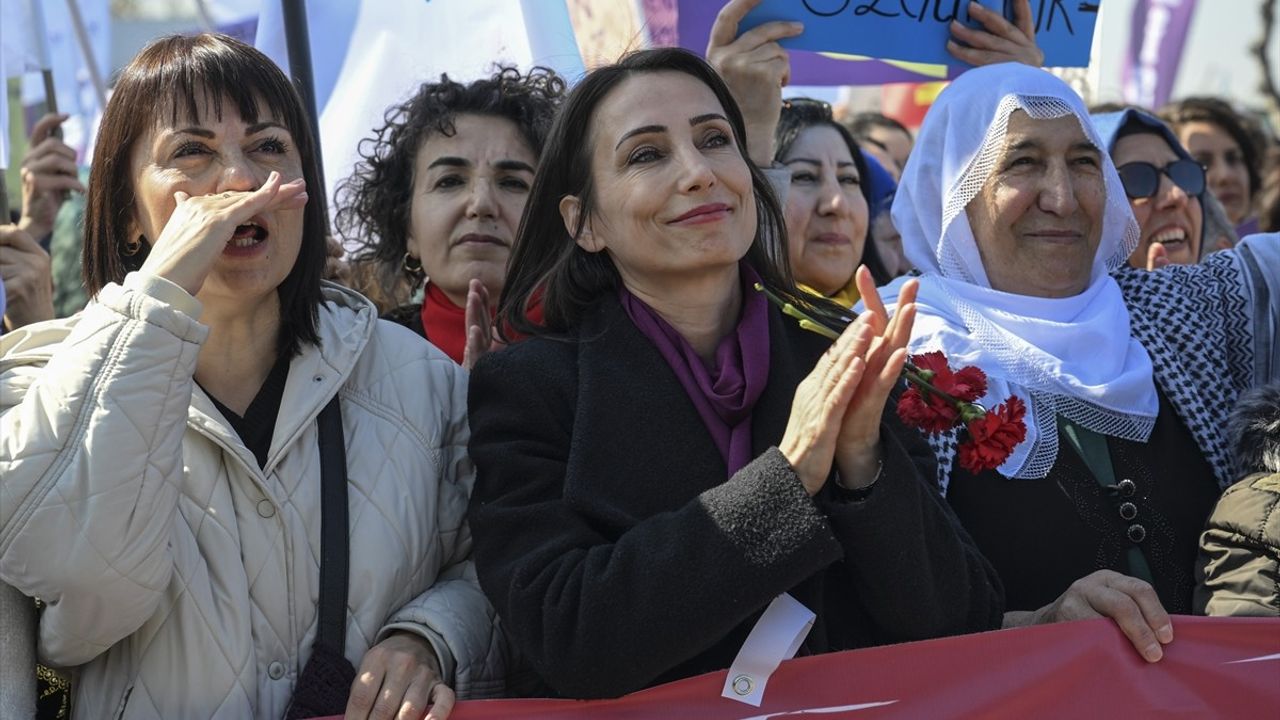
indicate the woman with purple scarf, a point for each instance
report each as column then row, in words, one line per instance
column 668, row 452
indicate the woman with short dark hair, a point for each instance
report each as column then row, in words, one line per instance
column 166, row 451
column 437, row 198
column 669, row 453
column 828, row 204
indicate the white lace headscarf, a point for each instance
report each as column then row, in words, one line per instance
column 1074, row 356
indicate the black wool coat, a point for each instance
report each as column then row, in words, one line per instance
column 619, row 557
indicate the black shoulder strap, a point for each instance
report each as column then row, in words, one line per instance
column 334, row 530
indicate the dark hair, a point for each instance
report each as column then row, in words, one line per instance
column 1269, row 199
column 548, row 264
column 862, row 124
column 172, row 76
column 1216, row 112
column 1111, row 107
column 800, row 114
column 377, row 199
column 1253, row 429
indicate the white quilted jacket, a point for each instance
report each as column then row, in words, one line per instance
column 179, row 576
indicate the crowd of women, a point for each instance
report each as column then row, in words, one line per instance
column 581, row 450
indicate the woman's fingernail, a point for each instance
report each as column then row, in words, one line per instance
column 1165, row 634
column 1153, row 653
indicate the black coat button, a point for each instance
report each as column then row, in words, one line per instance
column 1128, row 510
column 1126, row 487
column 1137, row 533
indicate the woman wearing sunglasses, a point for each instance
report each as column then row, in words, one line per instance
column 1165, row 187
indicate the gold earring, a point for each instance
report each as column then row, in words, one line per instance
column 131, row 247
column 412, row 266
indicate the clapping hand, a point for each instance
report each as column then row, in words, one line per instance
column 479, row 322
column 835, row 415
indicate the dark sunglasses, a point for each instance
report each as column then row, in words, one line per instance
column 1142, row 179
column 808, row 108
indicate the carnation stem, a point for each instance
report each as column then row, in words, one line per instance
column 910, row 372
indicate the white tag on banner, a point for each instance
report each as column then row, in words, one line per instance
column 776, row 637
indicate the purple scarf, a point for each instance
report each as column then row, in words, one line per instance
column 726, row 393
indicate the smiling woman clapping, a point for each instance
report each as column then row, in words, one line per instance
column 669, row 453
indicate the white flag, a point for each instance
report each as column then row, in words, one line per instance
column 369, row 56
column 71, row 78
column 17, row 56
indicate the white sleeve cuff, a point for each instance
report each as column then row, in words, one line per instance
column 166, row 291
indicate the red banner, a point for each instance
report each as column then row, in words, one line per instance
column 1215, row 667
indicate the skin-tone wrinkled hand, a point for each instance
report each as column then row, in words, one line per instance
column 755, row 67
column 398, row 679
column 835, row 415
column 1130, row 602
column 1157, row 256
column 336, row 267
column 201, row 226
column 999, row 40
column 28, row 279
column 479, row 322
column 48, row 173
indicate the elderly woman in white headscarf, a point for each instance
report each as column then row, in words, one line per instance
column 1016, row 217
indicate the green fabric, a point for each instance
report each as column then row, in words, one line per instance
column 69, row 295
column 1092, row 448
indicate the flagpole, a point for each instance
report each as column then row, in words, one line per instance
column 297, row 39
column 42, row 54
column 86, row 49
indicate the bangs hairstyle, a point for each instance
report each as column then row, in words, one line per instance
column 547, row 265
column 800, row 114
column 377, row 199
column 172, row 80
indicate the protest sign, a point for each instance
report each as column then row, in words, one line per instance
column 917, row 30
column 1215, row 667
column 693, row 20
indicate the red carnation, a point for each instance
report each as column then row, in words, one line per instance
column 969, row 384
column 934, row 415
column 966, row 384
column 993, row 436
column 935, row 362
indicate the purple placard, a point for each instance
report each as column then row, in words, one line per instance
column 693, row 27
column 1157, row 34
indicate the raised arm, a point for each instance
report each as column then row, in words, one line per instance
column 755, row 67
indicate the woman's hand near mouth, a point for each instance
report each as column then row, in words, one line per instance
column 200, row 227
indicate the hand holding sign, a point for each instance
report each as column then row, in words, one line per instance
column 1003, row 41
column 919, row 30
column 755, row 67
